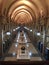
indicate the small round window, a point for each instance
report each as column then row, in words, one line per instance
column 22, row 48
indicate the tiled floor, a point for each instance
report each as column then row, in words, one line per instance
column 10, row 59
column 14, row 50
column 36, row 59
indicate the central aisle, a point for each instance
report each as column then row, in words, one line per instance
column 20, row 39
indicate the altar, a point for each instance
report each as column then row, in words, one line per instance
column 23, row 54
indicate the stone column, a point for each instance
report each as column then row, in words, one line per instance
column 0, row 40
column 44, row 35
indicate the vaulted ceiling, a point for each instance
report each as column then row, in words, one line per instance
column 24, row 11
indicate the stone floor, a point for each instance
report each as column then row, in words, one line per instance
column 12, row 53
